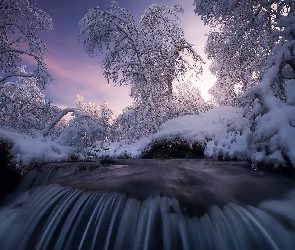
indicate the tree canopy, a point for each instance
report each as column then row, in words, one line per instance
column 239, row 44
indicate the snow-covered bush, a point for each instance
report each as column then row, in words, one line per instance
column 90, row 124
column 272, row 122
column 102, row 114
column 272, row 141
column 81, row 132
column 232, row 144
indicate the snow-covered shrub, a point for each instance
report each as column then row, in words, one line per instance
column 231, row 145
column 272, row 125
column 200, row 128
column 81, row 132
column 272, row 141
column 220, row 131
column 90, row 124
column 101, row 113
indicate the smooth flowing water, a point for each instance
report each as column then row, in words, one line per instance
column 150, row 204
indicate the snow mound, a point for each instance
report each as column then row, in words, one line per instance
column 273, row 141
column 211, row 130
column 36, row 149
column 200, row 128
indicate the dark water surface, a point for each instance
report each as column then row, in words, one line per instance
column 196, row 184
column 150, row 204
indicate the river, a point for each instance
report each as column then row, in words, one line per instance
column 150, row 204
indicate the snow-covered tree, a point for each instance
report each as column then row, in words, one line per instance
column 239, row 43
column 148, row 56
column 128, row 126
column 91, row 109
column 106, row 117
column 81, row 132
column 20, row 25
column 133, row 124
column 101, row 113
column 55, row 132
column 189, row 101
column 270, row 105
column 24, row 107
column 91, row 123
column 261, row 33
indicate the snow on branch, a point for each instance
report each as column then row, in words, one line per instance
column 61, row 114
column 20, row 23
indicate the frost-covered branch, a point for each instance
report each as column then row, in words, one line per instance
column 20, row 19
column 60, row 115
column 23, row 107
column 19, row 51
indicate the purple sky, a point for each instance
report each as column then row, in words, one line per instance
column 74, row 72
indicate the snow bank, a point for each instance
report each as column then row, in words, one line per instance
column 211, row 130
column 200, row 128
column 121, row 149
column 223, row 132
column 26, row 149
column 273, row 141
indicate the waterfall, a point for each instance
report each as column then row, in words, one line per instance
column 47, row 215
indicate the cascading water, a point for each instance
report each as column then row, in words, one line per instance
column 174, row 204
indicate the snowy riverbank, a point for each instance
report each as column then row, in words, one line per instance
column 221, row 133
